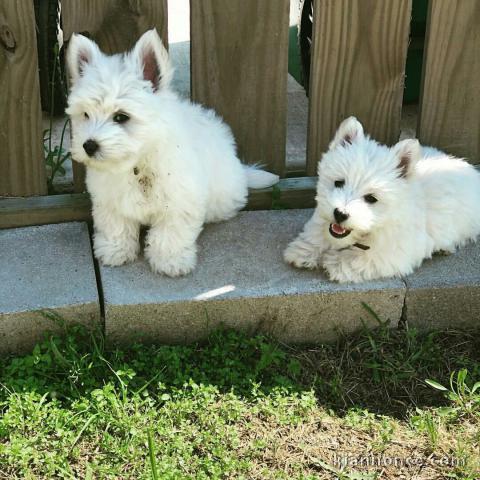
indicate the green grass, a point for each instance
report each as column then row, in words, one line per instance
column 241, row 407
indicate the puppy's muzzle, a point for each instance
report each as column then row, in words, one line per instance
column 90, row 147
column 340, row 216
column 336, row 230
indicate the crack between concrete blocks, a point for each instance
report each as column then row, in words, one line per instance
column 98, row 279
column 402, row 323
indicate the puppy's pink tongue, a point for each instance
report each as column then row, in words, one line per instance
column 338, row 229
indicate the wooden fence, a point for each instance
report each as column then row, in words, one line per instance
column 239, row 51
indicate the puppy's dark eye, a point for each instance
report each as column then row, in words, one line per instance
column 370, row 198
column 120, row 118
column 339, row 183
column 85, row 115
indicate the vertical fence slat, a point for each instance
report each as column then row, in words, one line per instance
column 358, row 66
column 22, row 164
column 450, row 101
column 239, row 59
column 115, row 26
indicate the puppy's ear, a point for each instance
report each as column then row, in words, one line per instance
column 406, row 154
column 349, row 131
column 151, row 58
column 81, row 52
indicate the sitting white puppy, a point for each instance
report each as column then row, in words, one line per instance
column 381, row 211
column 152, row 159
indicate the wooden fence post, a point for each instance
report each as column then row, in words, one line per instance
column 358, row 67
column 239, row 59
column 115, row 25
column 22, row 163
column 450, row 100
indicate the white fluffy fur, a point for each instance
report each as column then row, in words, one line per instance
column 427, row 201
column 171, row 166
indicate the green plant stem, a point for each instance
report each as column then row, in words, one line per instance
column 151, row 453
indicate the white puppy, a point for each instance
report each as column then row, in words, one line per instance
column 152, row 159
column 381, row 211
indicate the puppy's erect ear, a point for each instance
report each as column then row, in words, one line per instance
column 81, row 52
column 406, row 154
column 151, row 57
column 349, row 131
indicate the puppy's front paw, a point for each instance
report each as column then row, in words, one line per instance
column 339, row 268
column 114, row 253
column 336, row 274
column 301, row 255
column 175, row 265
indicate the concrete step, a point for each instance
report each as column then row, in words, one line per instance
column 445, row 291
column 242, row 282
column 45, row 269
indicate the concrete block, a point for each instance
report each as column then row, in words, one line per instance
column 46, row 268
column 445, row 291
column 242, row 282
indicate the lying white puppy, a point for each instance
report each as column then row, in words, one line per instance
column 381, row 211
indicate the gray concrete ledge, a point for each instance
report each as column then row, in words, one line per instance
column 48, row 268
column 242, row 282
column 445, row 291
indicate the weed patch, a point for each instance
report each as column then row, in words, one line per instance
column 380, row 404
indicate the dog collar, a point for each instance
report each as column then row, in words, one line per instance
column 361, row 246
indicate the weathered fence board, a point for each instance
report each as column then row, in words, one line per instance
column 239, row 57
column 21, row 212
column 358, row 65
column 115, row 25
column 22, row 164
column 450, row 100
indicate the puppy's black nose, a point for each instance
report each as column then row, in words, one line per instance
column 340, row 216
column 90, row 147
